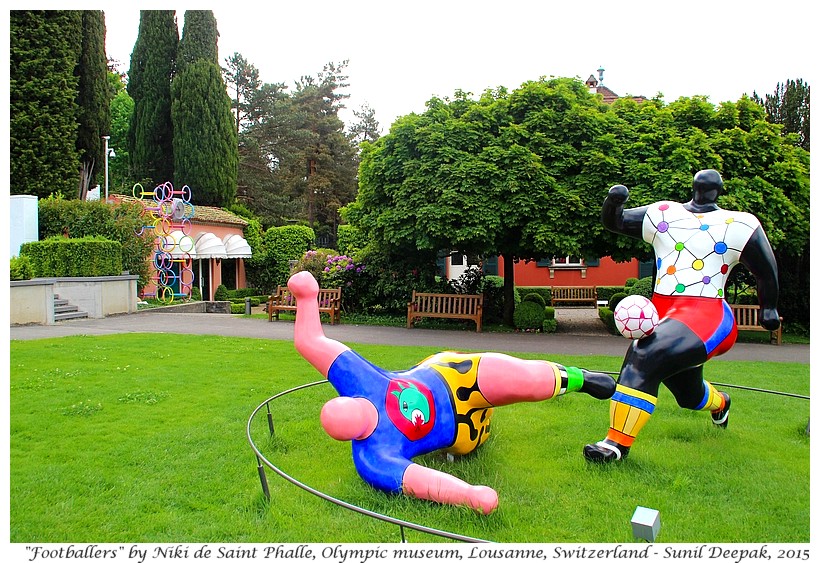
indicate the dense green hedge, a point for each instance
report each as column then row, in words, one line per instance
column 67, row 257
column 221, row 293
column 118, row 222
column 605, row 292
column 243, row 292
column 535, row 297
column 255, row 301
column 544, row 292
column 606, row 315
column 529, row 315
column 641, row 287
column 270, row 265
column 614, row 299
column 20, row 268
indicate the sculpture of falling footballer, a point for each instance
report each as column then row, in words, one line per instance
column 443, row 403
column 636, row 317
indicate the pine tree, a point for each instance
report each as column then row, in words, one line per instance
column 205, row 142
column 243, row 78
column 367, row 127
column 45, row 48
column 93, row 99
column 150, row 134
column 328, row 158
column 789, row 106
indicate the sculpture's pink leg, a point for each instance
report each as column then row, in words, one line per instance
column 505, row 380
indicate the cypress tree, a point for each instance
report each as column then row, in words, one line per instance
column 206, row 152
column 93, row 99
column 150, row 133
column 44, row 51
column 205, row 145
column 199, row 39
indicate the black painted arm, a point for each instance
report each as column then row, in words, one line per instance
column 618, row 220
column 759, row 258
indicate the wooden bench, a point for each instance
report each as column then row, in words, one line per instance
column 330, row 301
column 445, row 306
column 574, row 294
column 747, row 318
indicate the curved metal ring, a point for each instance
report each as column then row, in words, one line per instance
column 334, row 500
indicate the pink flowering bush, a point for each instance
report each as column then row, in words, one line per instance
column 315, row 262
column 331, row 270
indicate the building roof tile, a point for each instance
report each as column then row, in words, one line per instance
column 203, row 214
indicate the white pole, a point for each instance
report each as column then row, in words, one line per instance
column 105, row 138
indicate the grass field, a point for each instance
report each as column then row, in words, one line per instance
column 141, row 438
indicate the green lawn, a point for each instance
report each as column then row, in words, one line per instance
column 141, row 438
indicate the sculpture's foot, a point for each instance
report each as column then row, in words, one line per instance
column 605, row 451
column 598, row 385
column 721, row 417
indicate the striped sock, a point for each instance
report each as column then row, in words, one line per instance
column 713, row 399
column 629, row 410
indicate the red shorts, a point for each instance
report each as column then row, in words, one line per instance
column 710, row 318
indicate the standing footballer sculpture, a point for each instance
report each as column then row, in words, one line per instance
column 696, row 246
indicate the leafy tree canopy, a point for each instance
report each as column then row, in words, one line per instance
column 523, row 173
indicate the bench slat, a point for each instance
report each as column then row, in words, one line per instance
column 445, row 306
column 747, row 317
column 330, row 301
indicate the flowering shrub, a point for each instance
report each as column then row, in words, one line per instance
column 315, row 262
column 338, row 265
column 331, row 270
column 342, row 271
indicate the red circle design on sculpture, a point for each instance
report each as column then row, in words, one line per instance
column 416, row 427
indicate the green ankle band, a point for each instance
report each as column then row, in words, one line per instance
column 575, row 379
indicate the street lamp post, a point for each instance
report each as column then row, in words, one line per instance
column 105, row 138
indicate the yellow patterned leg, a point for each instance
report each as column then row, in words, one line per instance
column 629, row 410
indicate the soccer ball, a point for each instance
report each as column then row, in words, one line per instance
column 635, row 317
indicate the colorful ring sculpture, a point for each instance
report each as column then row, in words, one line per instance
column 166, row 215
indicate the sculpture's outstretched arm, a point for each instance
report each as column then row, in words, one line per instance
column 613, row 216
column 308, row 334
column 430, row 484
column 759, row 258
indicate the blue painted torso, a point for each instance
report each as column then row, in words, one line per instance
column 382, row 457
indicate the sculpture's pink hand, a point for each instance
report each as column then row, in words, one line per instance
column 429, row 484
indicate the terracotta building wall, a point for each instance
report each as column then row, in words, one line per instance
column 606, row 273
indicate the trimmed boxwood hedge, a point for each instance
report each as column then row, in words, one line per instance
column 57, row 257
column 529, row 315
column 20, row 268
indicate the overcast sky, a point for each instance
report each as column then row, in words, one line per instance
column 401, row 55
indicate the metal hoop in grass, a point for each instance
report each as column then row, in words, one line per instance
column 262, row 461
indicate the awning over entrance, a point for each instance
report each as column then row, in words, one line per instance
column 237, row 247
column 208, row 245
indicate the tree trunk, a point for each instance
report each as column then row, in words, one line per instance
column 509, row 289
column 85, row 179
